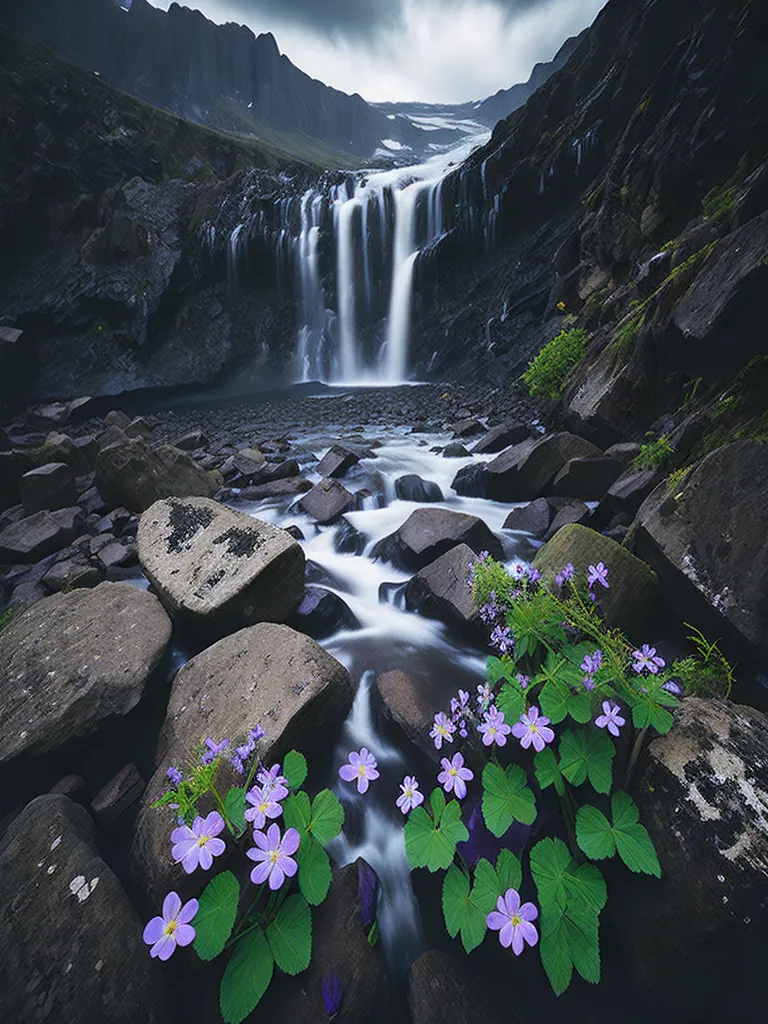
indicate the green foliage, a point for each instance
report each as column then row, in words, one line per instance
column 708, row 673
column 598, row 838
column 676, row 480
column 654, row 454
column 216, row 915
column 588, row 753
column 687, row 270
column 718, row 202
column 431, row 843
column 324, row 820
column 5, row 618
column 465, row 910
column 506, row 798
column 548, row 771
column 625, row 335
column 314, row 870
column 552, row 368
column 294, row 769
column 290, row 935
column 234, row 804
column 246, row 978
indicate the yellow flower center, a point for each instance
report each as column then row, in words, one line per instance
column 443, row 730
column 274, row 855
column 453, row 772
column 532, row 727
column 409, row 791
column 170, row 928
column 516, row 920
column 263, row 806
column 361, row 769
column 202, row 840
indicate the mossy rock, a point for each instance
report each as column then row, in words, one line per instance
column 633, row 584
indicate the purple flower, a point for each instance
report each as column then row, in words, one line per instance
column 256, row 734
column 367, row 889
column 493, row 728
column 597, row 574
column 273, row 782
column 213, row 750
column 533, row 575
column 592, row 663
column 490, row 611
column 442, row 730
column 332, row 992
column 174, row 775
column 410, row 796
column 533, row 728
column 198, row 845
column 264, row 804
column 172, row 929
column 501, row 637
column 610, row 718
column 462, row 728
column 525, row 681
column 672, row 687
column 484, row 696
column 646, row 658
column 273, row 856
column 361, row 769
column 459, row 705
column 565, row 574
column 455, row 776
column 513, row 922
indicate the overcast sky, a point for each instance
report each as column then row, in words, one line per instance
column 441, row 51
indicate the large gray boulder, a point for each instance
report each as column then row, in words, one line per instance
column 528, row 470
column 327, row 501
column 586, row 478
column 410, row 706
column 440, row 591
column 499, row 438
column 133, row 474
column 48, row 487
column 442, row 990
column 708, row 543
column 267, row 674
column 429, row 533
column 37, row 536
column 74, row 662
column 71, row 949
column 219, row 568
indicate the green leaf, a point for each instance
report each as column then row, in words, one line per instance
column 314, row 870
column 290, row 935
column 451, row 825
column 580, row 707
column 466, row 911
column 327, row 817
column 547, row 770
column 588, row 752
column 585, row 887
column 216, row 915
column 511, row 701
column 567, row 942
column 296, row 812
column 432, row 846
column 487, row 887
column 553, row 703
column 294, row 768
column 437, row 803
column 506, row 798
column 554, row 951
column 246, row 978
column 594, row 834
column 497, row 669
column 509, row 871
column 583, row 939
column 550, row 860
column 234, row 805
column 632, row 840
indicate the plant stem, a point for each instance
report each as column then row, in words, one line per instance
column 636, row 748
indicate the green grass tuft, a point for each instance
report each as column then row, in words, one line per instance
column 551, row 370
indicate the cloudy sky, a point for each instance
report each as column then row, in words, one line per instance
column 441, row 51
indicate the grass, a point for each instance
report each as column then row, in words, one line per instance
column 654, row 454
column 718, row 203
column 552, row 368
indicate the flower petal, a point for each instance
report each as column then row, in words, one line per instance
column 187, row 912
column 164, row 947
column 528, row 932
column 517, row 940
column 288, row 866
column 496, row 921
column 276, row 878
column 273, row 837
column 154, row 930
column 348, row 773
column 184, row 934
column 216, row 846
column 171, row 906
column 291, row 841
column 261, row 872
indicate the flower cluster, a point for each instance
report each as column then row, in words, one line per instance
column 591, row 665
column 244, row 752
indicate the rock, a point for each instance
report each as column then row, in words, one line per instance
column 467, row 428
column 587, row 478
column 72, row 948
column 249, row 461
column 499, row 438
column 322, row 613
column 633, row 585
column 472, row 481
column 533, row 518
column 33, row 538
column 413, row 488
column 625, row 452
column 295, row 532
column 440, row 591
column 117, row 521
column 411, row 707
column 79, row 455
column 118, row 795
column 72, row 574
column 527, row 470
column 455, row 451
column 707, row 542
column 348, row 540
column 131, row 474
column 112, row 435
column 441, row 990
column 92, row 501
column 217, row 568
column 70, row 785
column 278, row 488
column 45, row 415
column 266, row 674
column 429, row 533
column 191, row 441
column 27, row 594
column 139, row 427
column 116, row 554
column 284, row 470
column 48, row 488
column 336, row 461
column 327, row 501
column 74, row 662
column 627, row 494
column 564, row 513
column 116, row 418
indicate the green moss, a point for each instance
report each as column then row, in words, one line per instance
column 6, row 617
column 689, row 268
column 551, row 370
column 671, row 245
column 740, row 414
column 677, row 478
column 719, row 202
column 708, row 673
column 625, row 336
column 654, row 454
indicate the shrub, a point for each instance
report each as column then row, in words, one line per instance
column 550, row 371
column 654, row 454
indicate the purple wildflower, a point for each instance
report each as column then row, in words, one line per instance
column 332, row 992
column 273, row 856
column 264, row 804
column 501, row 637
column 410, row 796
column 462, row 724
column 490, row 611
column 534, row 576
column 533, row 728
column 174, row 775
column 525, row 681
column 256, row 734
column 484, row 696
column 367, row 890
column 565, row 574
column 514, row 922
column 198, row 845
column 361, row 769
column 591, row 665
column 173, row 928
column 493, row 728
column 455, row 776
column 610, row 718
column 459, row 705
column 442, row 730
column 646, row 658
column 273, row 782
column 213, row 750
column 672, row 687
column 597, row 574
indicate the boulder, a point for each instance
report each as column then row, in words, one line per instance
column 625, row 452
column 118, row 795
column 112, row 435
column 218, row 568
column 440, row 591
column 322, row 613
column 627, row 494
column 12, row 465
column 429, row 533
column 277, row 488
column 411, row 707
column 442, row 990
column 249, row 461
column 48, row 487
column 189, row 442
column 533, row 518
column 708, row 544
column 327, row 501
column 413, row 488
column 455, row 451
column 136, row 476
column 34, row 538
column 528, row 470
column 267, row 674
column 117, row 554
column 633, row 585
column 139, row 427
column 73, row 663
column 348, row 540
column 71, row 946
column 72, row 574
column 499, row 438
column 565, row 512
column 79, row 455
column 586, row 478
column 472, row 481
column 117, row 418
column 467, row 428
column 336, row 461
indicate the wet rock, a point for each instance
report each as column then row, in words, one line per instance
column 116, row 418
column 413, row 488
column 266, row 674
column 117, row 554
column 47, row 488
column 133, row 475
column 337, row 460
column 72, row 574
column 322, row 613
column 528, row 470
column 409, row 707
column 139, row 427
column 118, row 795
column 533, row 518
column 74, row 662
column 219, row 568
column 191, row 441
column 33, row 538
column 429, row 533
column 249, row 461
column 628, row 493
column 295, row 532
column 633, row 585
column 472, row 481
column 71, row 947
column 499, row 438
column 455, row 451
column 467, row 428
column 348, row 540
column 441, row 990
column 327, row 501
column 278, row 488
column 440, row 591
column 566, row 511
column 587, row 478
column 71, row 786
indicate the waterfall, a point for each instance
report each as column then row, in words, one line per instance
column 345, row 285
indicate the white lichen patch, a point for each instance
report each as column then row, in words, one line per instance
column 56, row 842
column 81, row 888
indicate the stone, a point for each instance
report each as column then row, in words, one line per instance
column 625, row 452
column 628, row 493
column 440, row 591
column 92, row 502
column 528, row 470
column 413, row 488
column 217, row 568
column 295, row 531
column 278, row 488
column 116, row 418
column 586, row 478
column 322, row 613
column 429, row 533
column 327, row 501
column 499, row 438
column 69, row 785
column 472, row 481
column 112, row 435
column 570, row 510
column 467, row 428
column 633, row 585
column 12, row 465
column 248, row 461
column 120, row 793
column 533, row 518
column 71, row 949
column 33, row 538
column 267, row 674
column 337, row 461
column 455, row 451
column 117, row 522
column 411, row 707
column 80, row 456
column 72, row 574
column 347, row 540
column 139, row 427
column 47, row 488
column 27, row 594
column 191, row 441
column 708, row 543
column 73, row 663
column 133, row 475
column 117, row 554
column 442, row 990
